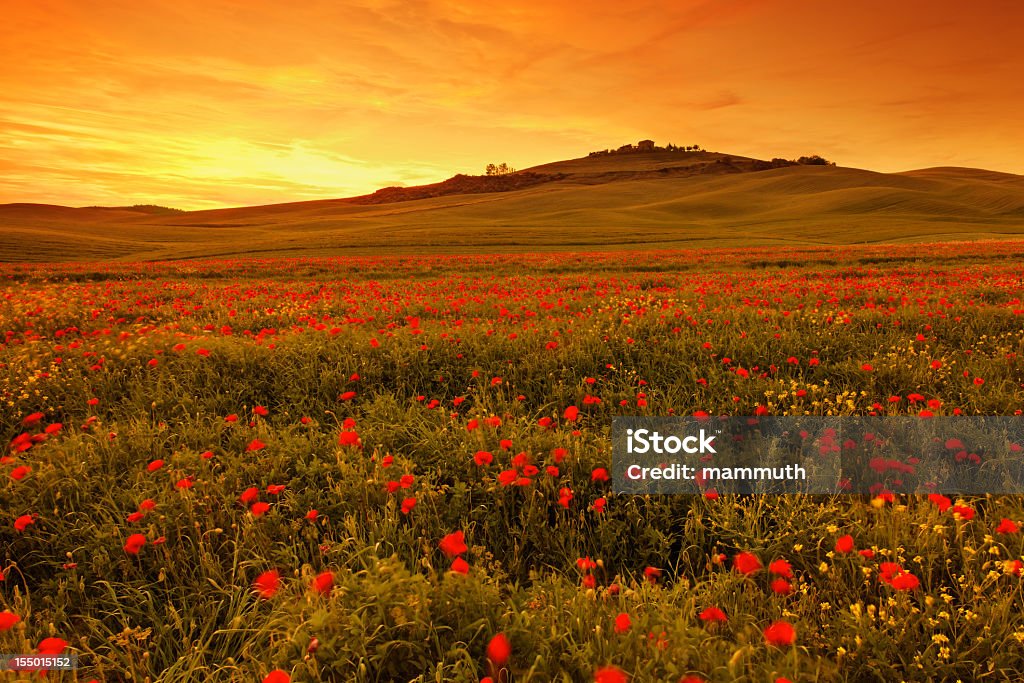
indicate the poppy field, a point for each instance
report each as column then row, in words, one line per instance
column 397, row 468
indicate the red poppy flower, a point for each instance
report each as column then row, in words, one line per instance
column 134, row 543
column 622, row 623
column 482, row 458
column 571, row 413
column 780, row 634
column 940, row 501
column 844, row 544
column 712, row 614
column 155, row 465
column 267, row 583
column 32, row 419
column 599, row 474
column 255, row 445
column 453, row 544
column 1007, row 526
column 51, row 646
column 19, row 473
column 781, row 568
column 258, row 509
column 888, row 570
column 746, row 563
column 274, row 489
column 277, row 676
column 610, row 674
column 905, row 582
column 460, row 566
column 323, row 583
column 261, row 411
column 312, row 515
column 349, row 438
column 965, row 512
column 565, row 496
column 22, row 522
column 499, row 650
column 781, row 587
column 8, row 620
column 249, row 495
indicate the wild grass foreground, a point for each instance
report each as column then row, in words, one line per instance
column 397, row 469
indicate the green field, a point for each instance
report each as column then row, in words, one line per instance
column 634, row 201
column 163, row 530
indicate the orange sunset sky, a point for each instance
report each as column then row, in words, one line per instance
column 203, row 103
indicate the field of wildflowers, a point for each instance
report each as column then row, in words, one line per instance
column 396, row 469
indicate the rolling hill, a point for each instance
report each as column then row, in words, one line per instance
column 636, row 200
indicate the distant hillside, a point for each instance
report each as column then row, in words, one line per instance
column 145, row 208
column 459, row 184
column 593, row 169
column 655, row 199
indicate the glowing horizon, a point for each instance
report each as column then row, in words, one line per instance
column 203, row 105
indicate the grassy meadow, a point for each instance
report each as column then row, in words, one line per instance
column 623, row 202
column 396, row 468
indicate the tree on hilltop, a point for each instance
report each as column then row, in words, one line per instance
column 499, row 169
column 815, row 160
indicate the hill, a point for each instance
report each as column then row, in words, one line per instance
column 637, row 200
